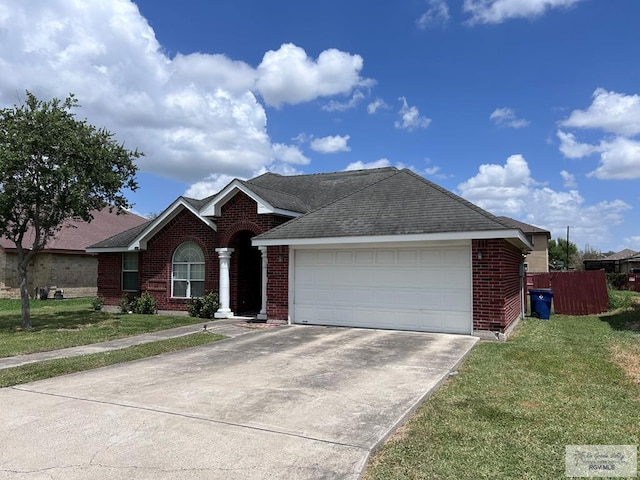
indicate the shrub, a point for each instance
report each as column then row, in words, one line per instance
column 97, row 303
column 618, row 281
column 145, row 304
column 204, row 307
column 127, row 303
column 620, row 299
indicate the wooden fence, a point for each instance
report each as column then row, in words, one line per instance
column 574, row 293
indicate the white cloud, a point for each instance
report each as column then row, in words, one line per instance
column 331, row 144
column 497, row 11
column 360, row 165
column 610, row 111
column 410, row 118
column 289, row 154
column 437, row 14
column 353, row 102
column 288, row 75
column 569, row 179
column 619, row 157
column 376, row 105
column 192, row 115
column 510, row 190
column 506, row 117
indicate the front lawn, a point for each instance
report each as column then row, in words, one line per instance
column 514, row 406
column 72, row 322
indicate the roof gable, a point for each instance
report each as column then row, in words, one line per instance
column 137, row 238
column 268, row 201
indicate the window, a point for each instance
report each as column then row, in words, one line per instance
column 130, row 271
column 188, row 271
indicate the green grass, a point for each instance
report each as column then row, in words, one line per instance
column 68, row 323
column 514, row 406
column 63, row 366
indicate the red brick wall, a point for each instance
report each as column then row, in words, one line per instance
column 154, row 275
column 155, row 261
column 110, row 277
column 496, row 284
column 278, row 283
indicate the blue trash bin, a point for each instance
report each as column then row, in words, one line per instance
column 541, row 303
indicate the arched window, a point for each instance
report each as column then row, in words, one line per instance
column 188, row 271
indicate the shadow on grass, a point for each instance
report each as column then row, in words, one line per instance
column 625, row 319
column 55, row 320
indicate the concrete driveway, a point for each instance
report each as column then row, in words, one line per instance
column 287, row 403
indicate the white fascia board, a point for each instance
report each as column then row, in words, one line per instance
column 214, row 208
column 140, row 242
column 377, row 239
column 111, row 250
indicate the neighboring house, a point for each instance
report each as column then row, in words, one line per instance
column 625, row 261
column 536, row 261
column 63, row 264
column 382, row 248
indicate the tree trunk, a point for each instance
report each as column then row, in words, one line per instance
column 24, row 294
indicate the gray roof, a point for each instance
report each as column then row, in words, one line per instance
column 525, row 227
column 400, row 202
column 277, row 199
column 622, row 255
column 317, row 190
column 122, row 239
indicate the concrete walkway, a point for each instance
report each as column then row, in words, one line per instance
column 229, row 328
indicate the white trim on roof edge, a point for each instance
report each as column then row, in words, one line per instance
column 214, row 207
column 515, row 236
column 140, row 242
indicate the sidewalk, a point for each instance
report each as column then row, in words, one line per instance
column 229, row 328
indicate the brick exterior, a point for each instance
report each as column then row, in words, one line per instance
column 239, row 214
column 278, row 283
column 75, row 274
column 496, row 279
column 497, row 286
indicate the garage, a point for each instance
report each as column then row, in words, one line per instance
column 422, row 288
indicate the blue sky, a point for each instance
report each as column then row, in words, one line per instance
column 528, row 108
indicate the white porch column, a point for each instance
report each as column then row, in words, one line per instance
column 224, row 254
column 263, row 309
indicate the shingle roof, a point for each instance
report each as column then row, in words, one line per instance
column 525, row 227
column 398, row 203
column 317, row 190
column 79, row 235
column 122, row 239
column 277, row 199
column 622, row 255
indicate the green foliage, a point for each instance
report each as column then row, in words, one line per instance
column 127, row 303
column 97, row 303
column 558, row 252
column 204, row 307
column 621, row 298
column 53, row 168
column 145, row 304
column 617, row 281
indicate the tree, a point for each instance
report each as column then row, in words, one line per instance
column 54, row 168
column 558, row 253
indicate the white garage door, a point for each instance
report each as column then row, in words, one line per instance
column 425, row 289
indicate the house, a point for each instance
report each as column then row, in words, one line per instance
column 63, row 264
column 624, row 261
column 536, row 261
column 382, row 248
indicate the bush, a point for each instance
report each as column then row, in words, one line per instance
column 618, row 281
column 127, row 303
column 97, row 303
column 204, row 307
column 145, row 304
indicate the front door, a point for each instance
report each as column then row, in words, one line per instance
column 249, row 275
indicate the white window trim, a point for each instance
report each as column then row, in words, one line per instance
column 188, row 264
